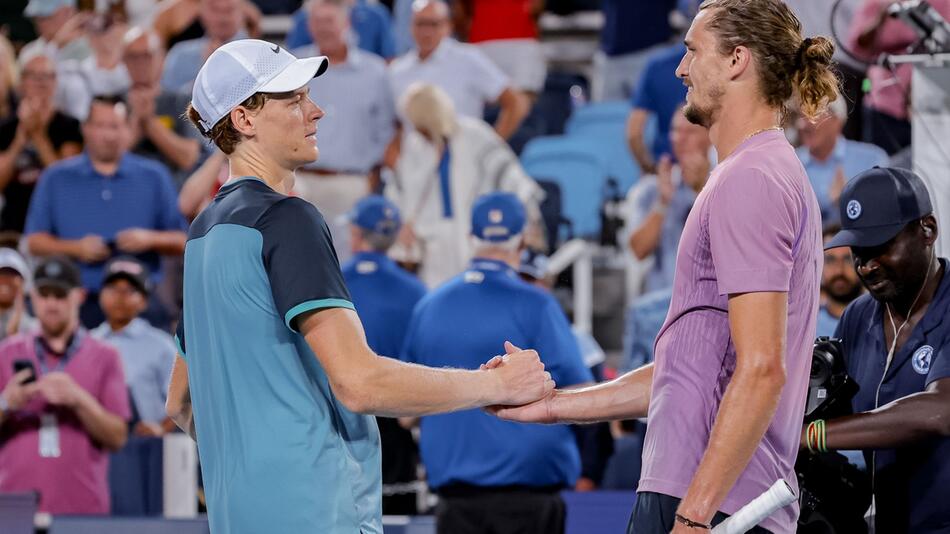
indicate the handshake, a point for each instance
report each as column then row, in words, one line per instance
column 524, row 389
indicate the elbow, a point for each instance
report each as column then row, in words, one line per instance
column 765, row 377
column 174, row 408
column 117, row 441
column 355, row 395
column 34, row 244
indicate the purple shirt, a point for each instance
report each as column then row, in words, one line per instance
column 75, row 482
column 755, row 227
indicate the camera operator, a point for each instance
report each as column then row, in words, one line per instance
column 897, row 348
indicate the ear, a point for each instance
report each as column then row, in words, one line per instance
column 740, row 59
column 928, row 227
column 243, row 121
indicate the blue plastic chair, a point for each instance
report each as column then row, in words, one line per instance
column 580, row 171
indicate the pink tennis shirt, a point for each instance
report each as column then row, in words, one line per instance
column 75, row 482
column 755, row 227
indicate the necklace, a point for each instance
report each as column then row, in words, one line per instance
column 763, row 130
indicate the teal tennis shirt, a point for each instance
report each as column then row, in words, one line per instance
column 279, row 452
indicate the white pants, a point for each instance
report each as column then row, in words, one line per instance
column 522, row 60
column 334, row 195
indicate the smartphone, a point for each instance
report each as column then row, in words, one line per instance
column 20, row 365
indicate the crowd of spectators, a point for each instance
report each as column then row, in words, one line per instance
column 100, row 175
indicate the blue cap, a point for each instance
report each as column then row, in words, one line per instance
column 497, row 217
column 376, row 214
column 877, row 204
column 533, row 264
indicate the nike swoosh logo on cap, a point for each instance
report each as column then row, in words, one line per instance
column 276, row 49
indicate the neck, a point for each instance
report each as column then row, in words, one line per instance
column 336, row 54
column 835, row 308
column 905, row 305
column 426, row 55
column 105, row 168
column 59, row 342
column 510, row 258
column 822, row 153
column 119, row 324
column 248, row 163
column 736, row 122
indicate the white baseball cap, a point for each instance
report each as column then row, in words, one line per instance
column 238, row 69
column 11, row 259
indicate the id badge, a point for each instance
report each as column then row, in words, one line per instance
column 49, row 436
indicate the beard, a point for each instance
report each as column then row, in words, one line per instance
column 54, row 327
column 704, row 115
column 846, row 295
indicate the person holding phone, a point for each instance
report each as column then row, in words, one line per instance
column 64, row 403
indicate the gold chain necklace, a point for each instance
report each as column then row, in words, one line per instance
column 757, row 132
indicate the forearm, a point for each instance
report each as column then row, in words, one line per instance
column 635, row 126
column 900, row 423
column 182, row 152
column 169, row 242
column 746, row 411
column 44, row 244
column 645, row 239
column 513, row 111
column 198, row 186
column 625, row 397
column 105, row 428
column 393, row 388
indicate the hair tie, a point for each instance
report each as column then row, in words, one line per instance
column 800, row 56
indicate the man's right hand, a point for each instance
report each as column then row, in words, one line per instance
column 92, row 249
column 16, row 393
column 522, row 378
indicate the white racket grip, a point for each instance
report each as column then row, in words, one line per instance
column 750, row 515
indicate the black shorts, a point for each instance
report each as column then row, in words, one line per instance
column 655, row 513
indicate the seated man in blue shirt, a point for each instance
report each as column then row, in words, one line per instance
column 493, row 475
column 897, row 348
column 222, row 21
column 371, row 23
column 831, row 160
column 384, row 296
column 658, row 94
column 147, row 353
column 106, row 202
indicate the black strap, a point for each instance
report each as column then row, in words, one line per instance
column 692, row 524
column 41, row 348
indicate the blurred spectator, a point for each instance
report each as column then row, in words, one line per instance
column 14, row 283
column 61, row 29
column 402, row 26
column 645, row 317
column 873, row 33
column 384, row 296
column 36, row 137
column 830, row 159
column 102, row 73
column 839, row 284
column 658, row 95
column 106, row 202
column 632, row 32
column 59, row 420
column 664, row 201
column 147, row 353
column 507, row 32
column 158, row 130
column 180, row 20
column 277, row 7
column 446, row 162
column 222, row 22
column 623, row 467
column 358, row 124
column 201, row 186
column 469, row 78
column 9, row 79
column 370, row 23
column 493, row 475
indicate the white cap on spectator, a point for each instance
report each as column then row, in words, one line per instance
column 238, row 69
column 11, row 259
column 45, row 8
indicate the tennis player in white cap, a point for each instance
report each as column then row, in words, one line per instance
column 274, row 377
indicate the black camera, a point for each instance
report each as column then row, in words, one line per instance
column 834, row 494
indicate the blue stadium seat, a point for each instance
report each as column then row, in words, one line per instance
column 606, row 125
column 579, row 169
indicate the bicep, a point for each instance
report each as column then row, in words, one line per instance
column 757, row 324
column 336, row 337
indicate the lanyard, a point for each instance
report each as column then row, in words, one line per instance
column 40, row 349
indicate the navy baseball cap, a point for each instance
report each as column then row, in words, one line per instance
column 128, row 268
column 376, row 213
column 877, row 204
column 497, row 217
column 58, row 271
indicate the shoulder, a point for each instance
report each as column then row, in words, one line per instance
column 403, row 63
column 102, row 348
column 868, row 151
column 409, row 283
column 160, row 338
column 65, row 168
column 187, row 48
column 15, row 343
column 144, row 167
column 370, row 63
column 291, row 210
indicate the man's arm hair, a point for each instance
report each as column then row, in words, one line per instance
column 178, row 404
column 905, row 421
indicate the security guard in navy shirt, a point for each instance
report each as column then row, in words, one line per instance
column 493, row 475
column 384, row 296
column 897, row 347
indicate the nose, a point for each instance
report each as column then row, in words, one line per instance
column 317, row 112
column 682, row 70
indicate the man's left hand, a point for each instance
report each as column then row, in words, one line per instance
column 59, row 389
column 135, row 240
